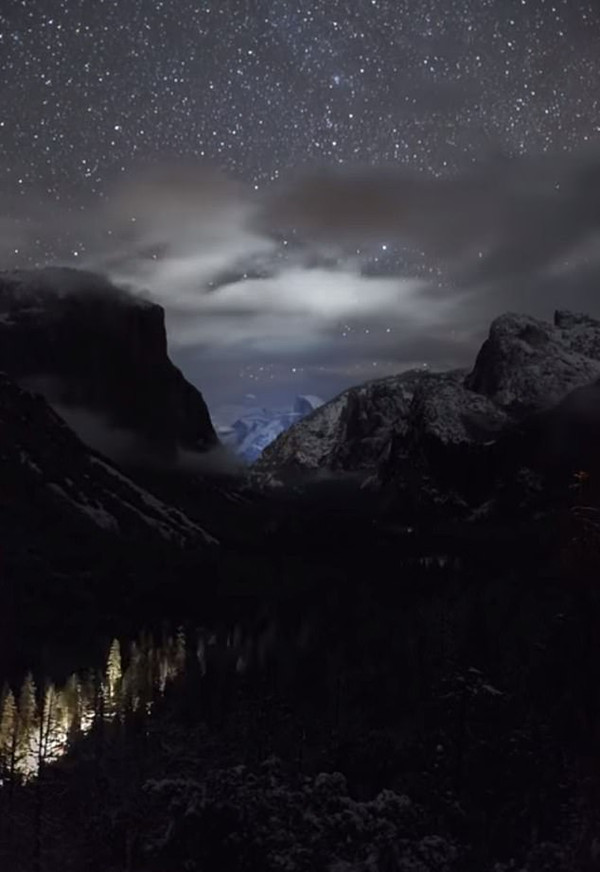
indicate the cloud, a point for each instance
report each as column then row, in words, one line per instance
column 295, row 304
column 198, row 243
column 174, row 228
column 510, row 233
column 503, row 218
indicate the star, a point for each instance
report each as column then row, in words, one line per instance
column 259, row 90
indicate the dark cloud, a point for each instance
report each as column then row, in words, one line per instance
column 505, row 217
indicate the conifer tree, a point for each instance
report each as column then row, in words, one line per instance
column 28, row 725
column 9, row 722
column 9, row 751
column 113, row 679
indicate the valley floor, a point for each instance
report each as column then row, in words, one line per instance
column 350, row 695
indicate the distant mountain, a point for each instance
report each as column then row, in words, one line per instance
column 99, row 355
column 256, row 428
column 455, row 443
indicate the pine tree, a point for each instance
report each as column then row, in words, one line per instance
column 113, row 679
column 72, row 704
column 51, row 733
column 9, row 760
column 49, row 745
column 9, row 720
column 28, row 725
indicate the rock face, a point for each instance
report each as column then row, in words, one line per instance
column 526, row 365
column 453, row 439
column 349, row 432
column 87, row 345
column 56, row 490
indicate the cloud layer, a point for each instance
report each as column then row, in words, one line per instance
column 286, row 277
column 505, row 217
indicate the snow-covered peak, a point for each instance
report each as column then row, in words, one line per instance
column 256, row 428
column 306, row 403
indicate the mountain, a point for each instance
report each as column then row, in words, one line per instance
column 87, row 391
column 99, row 355
column 458, row 443
column 347, row 433
column 82, row 544
column 54, row 487
column 256, row 428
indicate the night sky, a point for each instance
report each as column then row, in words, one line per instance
column 113, row 114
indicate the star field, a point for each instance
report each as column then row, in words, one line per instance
column 262, row 87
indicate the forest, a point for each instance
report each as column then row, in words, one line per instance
column 423, row 707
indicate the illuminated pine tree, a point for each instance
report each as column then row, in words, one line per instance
column 164, row 666
column 48, row 744
column 113, row 678
column 51, row 735
column 114, row 669
column 92, row 698
column 9, row 733
column 28, row 725
column 72, row 705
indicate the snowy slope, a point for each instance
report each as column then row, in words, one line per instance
column 50, row 476
column 257, row 428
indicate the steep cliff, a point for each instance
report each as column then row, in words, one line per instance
column 92, row 348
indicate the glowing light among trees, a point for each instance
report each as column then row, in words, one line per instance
column 39, row 728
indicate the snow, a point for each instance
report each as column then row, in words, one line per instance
column 365, row 415
column 311, row 440
column 525, row 366
column 307, row 403
column 445, row 409
column 96, row 512
column 257, row 428
column 26, row 460
column 171, row 517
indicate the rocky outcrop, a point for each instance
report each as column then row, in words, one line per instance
column 527, row 412
column 348, row 433
column 527, row 365
column 89, row 346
